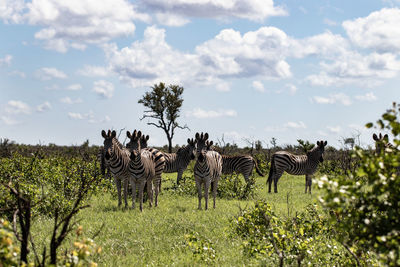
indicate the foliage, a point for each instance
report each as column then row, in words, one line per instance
column 163, row 104
column 202, row 248
column 306, row 237
column 305, row 146
column 8, row 250
column 365, row 205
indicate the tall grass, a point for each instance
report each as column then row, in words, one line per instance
column 158, row 236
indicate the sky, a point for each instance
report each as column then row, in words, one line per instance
column 251, row 69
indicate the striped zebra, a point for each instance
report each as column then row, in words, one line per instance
column 240, row 164
column 116, row 159
column 178, row 162
column 207, row 169
column 146, row 165
column 382, row 143
column 143, row 141
column 296, row 165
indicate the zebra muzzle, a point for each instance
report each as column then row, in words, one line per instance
column 107, row 155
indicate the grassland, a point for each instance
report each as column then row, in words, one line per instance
column 156, row 236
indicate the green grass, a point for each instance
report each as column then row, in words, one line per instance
column 156, row 236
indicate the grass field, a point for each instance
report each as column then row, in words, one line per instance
column 156, row 236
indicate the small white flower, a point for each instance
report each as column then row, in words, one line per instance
column 336, row 200
column 367, row 221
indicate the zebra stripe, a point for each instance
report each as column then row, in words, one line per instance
column 146, row 166
column 116, row 159
column 296, row 165
column 207, row 169
column 178, row 162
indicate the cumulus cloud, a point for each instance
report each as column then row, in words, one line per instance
column 74, row 87
column 68, row 100
column 11, row 10
column 258, row 86
column 6, row 61
column 43, row 107
column 89, row 117
column 228, row 55
column 290, row 125
column 340, row 98
column 103, row 88
column 379, row 31
column 205, row 114
column 295, row 125
column 14, row 107
column 94, row 71
column 368, row 97
column 255, row 10
column 46, row 74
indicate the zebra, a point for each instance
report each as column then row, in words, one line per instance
column 240, row 164
column 143, row 163
column 382, row 143
column 207, row 169
column 143, row 141
column 296, row 165
column 116, row 159
column 178, row 162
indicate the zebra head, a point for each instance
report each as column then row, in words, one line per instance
column 381, row 142
column 192, row 148
column 143, row 141
column 134, row 143
column 209, row 145
column 108, row 143
column 201, row 146
column 318, row 151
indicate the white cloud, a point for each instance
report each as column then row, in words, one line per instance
column 90, row 117
column 76, row 115
column 340, row 98
column 74, row 87
column 334, row 129
column 18, row 73
column 15, row 107
column 368, row 97
column 223, row 87
column 229, row 54
column 255, row 10
column 93, row 71
column 204, row 114
column 9, row 121
column 103, row 88
column 171, row 19
column 379, row 31
column 11, row 10
column 330, row 22
column 295, row 125
column 68, row 100
column 43, row 107
column 258, row 86
column 46, row 74
column 6, row 61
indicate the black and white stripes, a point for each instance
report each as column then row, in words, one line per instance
column 296, row 165
column 382, row 143
column 178, row 162
column 207, row 169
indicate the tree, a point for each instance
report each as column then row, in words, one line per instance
column 163, row 105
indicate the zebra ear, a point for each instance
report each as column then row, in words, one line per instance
column 206, row 136
column 210, row 143
column 318, row 143
column 197, row 136
column 386, row 137
column 188, row 141
column 147, row 137
column 375, row 137
column 139, row 134
column 325, row 143
column 103, row 133
column 113, row 134
column 128, row 134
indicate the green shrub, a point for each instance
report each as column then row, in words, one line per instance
column 201, row 248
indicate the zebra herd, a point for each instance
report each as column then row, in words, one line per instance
column 137, row 164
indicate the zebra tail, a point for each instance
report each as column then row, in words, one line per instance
column 257, row 169
column 271, row 169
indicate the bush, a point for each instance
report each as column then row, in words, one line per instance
column 365, row 205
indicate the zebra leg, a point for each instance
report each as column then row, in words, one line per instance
column 118, row 184
column 270, row 178
column 206, row 190
column 276, row 179
column 308, row 183
column 126, row 184
column 157, row 186
column 179, row 177
column 215, row 186
column 198, row 185
column 133, row 189
column 141, row 188
column 149, row 184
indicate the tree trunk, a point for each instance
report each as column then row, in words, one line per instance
column 25, row 229
column 169, row 144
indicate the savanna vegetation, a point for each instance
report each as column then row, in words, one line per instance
column 57, row 208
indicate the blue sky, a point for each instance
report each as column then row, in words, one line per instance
column 251, row 69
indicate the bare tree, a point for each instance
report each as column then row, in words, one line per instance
column 163, row 105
